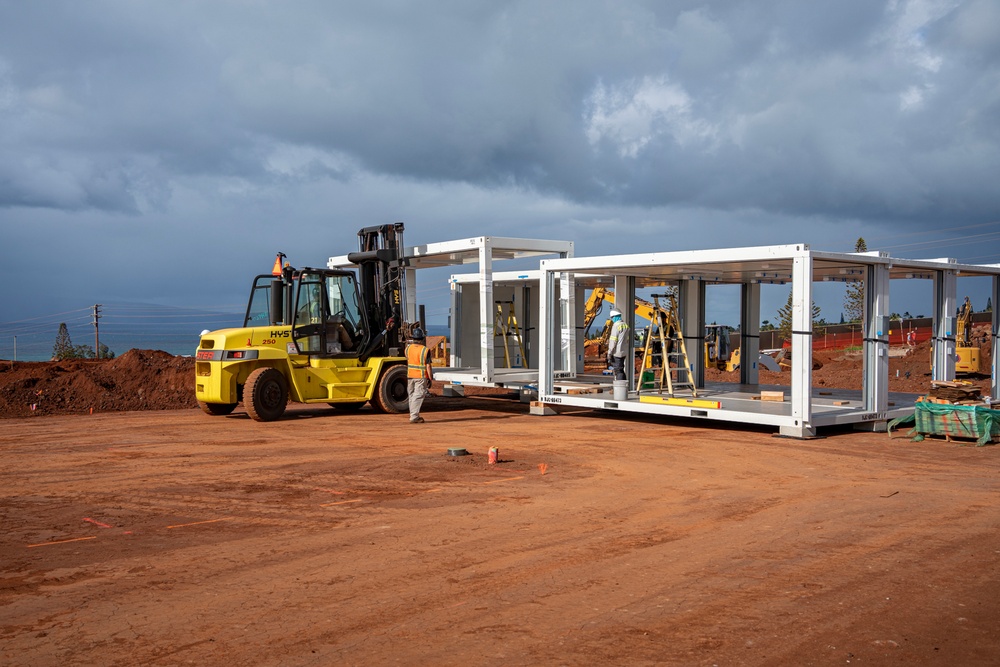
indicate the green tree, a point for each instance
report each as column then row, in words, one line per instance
column 63, row 348
column 989, row 305
column 87, row 352
column 785, row 318
column 854, row 297
column 83, row 352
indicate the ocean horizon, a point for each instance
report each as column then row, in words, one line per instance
column 39, row 347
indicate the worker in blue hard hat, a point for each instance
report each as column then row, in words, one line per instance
column 618, row 345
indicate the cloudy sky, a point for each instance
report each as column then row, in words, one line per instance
column 162, row 152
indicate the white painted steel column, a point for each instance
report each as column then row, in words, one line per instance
column 994, row 344
column 875, row 389
column 801, row 348
column 547, row 331
column 943, row 355
column 625, row 302
column 486, row 307
column 749, row 333
column 580, row 310
column 574, row 341
column 692, row 314
column 455, row 341
column 567, row 322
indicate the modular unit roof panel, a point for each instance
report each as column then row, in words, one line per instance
column 764, row 264
column 467, row 251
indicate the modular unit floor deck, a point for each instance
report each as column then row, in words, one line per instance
column 736, row 403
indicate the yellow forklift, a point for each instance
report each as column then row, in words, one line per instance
column 314, row 336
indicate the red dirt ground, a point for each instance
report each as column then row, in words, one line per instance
column 167, row 537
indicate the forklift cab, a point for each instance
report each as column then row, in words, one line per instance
column 321, row 305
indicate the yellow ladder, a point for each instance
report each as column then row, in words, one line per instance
column 672, row 358
column 505, row 325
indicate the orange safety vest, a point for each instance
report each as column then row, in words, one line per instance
column 416, row 361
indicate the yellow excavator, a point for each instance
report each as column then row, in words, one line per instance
column 717, row 351
column 592, row 308
column 967, row 353
column 718, row 354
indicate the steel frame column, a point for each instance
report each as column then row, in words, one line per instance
column 749, row 333
column 875, row 390
column 994, row 343
column 486, row 310
column 801, row 348
column 943, row 355
column 547, row 331
column 567, row 323
column 573, row 357
column 455, row 341
column 692, row 314
column 579, row 308
column 625, row 287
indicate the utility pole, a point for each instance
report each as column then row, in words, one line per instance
column 97, row 337
column 15, row 353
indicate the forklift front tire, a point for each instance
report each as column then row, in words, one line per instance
column 265, row 394
column 391, row 395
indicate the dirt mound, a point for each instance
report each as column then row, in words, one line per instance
column 137, row 380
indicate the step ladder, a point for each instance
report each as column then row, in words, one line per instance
column 505, row 326
column 671, row 359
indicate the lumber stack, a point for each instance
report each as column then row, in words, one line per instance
column 956, row 393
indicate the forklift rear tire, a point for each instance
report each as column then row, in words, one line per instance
column 390, row 395
column 265, row 394
column 216, row 409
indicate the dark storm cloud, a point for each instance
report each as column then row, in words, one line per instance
column 860, row 109
column 252, row 125
column 848, row 109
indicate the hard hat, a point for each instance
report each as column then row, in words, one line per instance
column 417, row 333
column 615, row 313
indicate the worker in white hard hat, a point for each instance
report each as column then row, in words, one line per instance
column 618, row 345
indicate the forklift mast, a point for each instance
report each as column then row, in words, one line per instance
column 380, row 277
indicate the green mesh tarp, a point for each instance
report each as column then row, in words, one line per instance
column 975, row 422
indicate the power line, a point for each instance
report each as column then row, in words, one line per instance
column 949, row 241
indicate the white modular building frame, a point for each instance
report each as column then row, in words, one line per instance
column 692, row 271
column 484, row 252
column 518, row 292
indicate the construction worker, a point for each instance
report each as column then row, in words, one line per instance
column 418, row 373
column 618, row 345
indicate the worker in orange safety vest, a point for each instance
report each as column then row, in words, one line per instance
column 418, row 373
